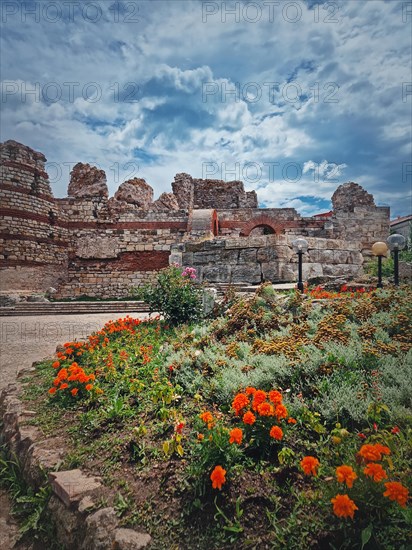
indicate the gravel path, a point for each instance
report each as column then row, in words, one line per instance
column 24, row 340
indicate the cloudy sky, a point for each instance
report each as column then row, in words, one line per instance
column 292, row 97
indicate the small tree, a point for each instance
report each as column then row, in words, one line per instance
column 176, row 294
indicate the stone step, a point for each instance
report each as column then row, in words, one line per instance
column 73, row 308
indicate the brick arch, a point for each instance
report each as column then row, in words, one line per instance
column 259, row 222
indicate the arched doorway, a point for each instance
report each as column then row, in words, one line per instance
column 262, row 229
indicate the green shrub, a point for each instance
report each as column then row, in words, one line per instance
column 175, row 294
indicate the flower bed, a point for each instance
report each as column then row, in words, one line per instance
column 285, row 422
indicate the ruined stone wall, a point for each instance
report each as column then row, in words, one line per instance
column 33, row 234
column 356, row 217
column 205, row 194
column 90, row 244
column 110, row 251
column 270, row 258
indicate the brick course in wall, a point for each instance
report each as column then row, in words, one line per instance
column 89, row 244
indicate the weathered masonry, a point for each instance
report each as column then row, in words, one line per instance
column 90, row 244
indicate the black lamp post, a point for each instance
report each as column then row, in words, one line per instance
column 300, row 246
column 379, row 249
column 396, row 242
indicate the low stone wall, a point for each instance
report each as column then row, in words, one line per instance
column 73, row 505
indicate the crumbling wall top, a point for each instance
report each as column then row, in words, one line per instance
column 135, row 191
column 15, row 151
column 350, row 195
column 87, row 181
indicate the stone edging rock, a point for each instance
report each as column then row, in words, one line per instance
column 73, row 503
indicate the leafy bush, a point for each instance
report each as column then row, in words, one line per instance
column 175, row 294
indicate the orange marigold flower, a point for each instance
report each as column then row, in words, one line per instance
column 236, row 436
column 250, row 390
column 383, row 449
column 249, row 418
column 200, row 437
column 62, row 374
column 345, row 474
column 52, row 391
column 218, row 477
column 258, row 398
column 275, row 397
column 343, row 506
column 207, row 417
column 292, row 420
column 69, row 351
column 309, row 465
column 281, row 411
column 396, row 491
column 373, row 453
column 240, row 401
column 265, row 409
column 64, row 386
column 89, row 387
column 74, row 392
column 276, row 432
column 375, row 471
column 56, row 364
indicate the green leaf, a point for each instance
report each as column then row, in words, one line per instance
column 366, row 535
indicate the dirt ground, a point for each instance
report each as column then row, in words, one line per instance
column 24, row 340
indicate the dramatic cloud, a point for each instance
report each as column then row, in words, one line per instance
column 292, row 97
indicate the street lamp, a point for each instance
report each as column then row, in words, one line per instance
column 396, row 242
column 379, row 249
column 300, row 246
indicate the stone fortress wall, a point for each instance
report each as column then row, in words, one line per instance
column 90, row 244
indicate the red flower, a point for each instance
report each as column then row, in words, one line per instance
column 179, row 427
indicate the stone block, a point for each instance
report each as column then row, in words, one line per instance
column 96, row 247
column 311, row 270
column 100, row 530
column 216, row 273
column 247, row 255
column 267, row 254
column 72, row 485
column 270, row 271
column 128, row 539
column 247, row 273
